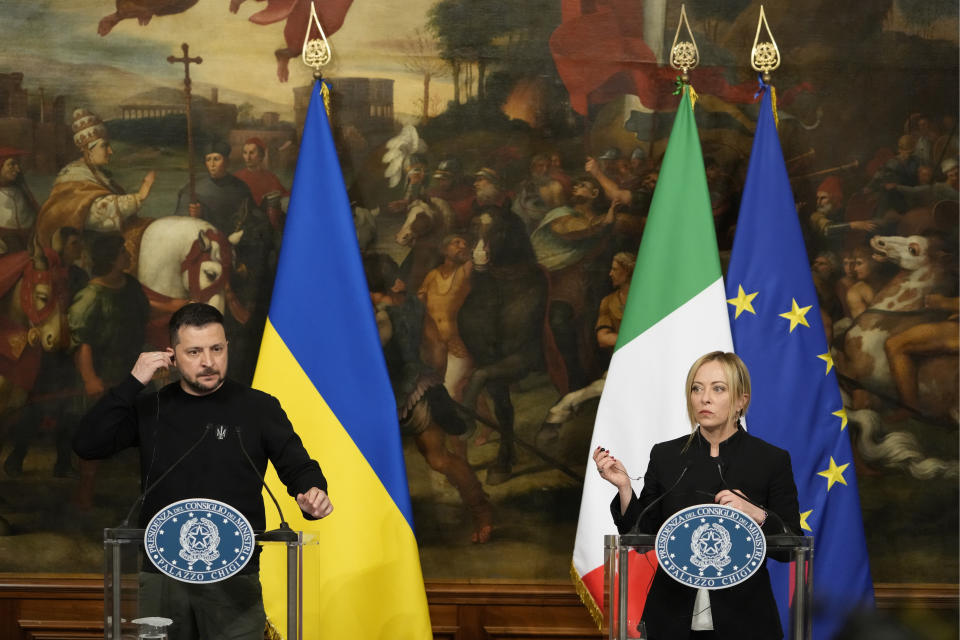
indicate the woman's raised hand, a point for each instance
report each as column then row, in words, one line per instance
column 611, row 469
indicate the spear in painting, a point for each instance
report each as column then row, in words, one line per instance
column 186, row 60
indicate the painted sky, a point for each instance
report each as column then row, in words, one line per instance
column 237, row 54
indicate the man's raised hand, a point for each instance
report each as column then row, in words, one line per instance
column 149, row 362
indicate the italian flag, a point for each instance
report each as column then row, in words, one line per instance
column 675, row 313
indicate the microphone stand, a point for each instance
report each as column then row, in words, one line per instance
column 769, row 512
column 143, row 496
column 663, row 495
column 283, row 533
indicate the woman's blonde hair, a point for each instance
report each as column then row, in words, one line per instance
column 735, row 373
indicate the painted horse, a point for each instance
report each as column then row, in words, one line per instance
column 502, row 320
column 33, row 308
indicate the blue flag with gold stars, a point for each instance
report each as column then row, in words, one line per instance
column 795, row 403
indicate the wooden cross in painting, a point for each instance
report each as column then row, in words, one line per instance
column 186, row 60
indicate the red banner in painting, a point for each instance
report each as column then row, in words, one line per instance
column 600, row 54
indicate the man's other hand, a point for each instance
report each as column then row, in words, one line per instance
column 315, row 502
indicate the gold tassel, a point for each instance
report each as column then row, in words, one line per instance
column 325, row 92
column 586, row 597
column 773, row 104
column 271, row 632
column 693, row 97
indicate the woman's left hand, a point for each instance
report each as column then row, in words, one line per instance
column 728, row 498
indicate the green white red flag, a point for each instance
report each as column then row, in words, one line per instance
column 675, row 312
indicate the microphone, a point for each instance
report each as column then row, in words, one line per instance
column 143, row 496
column 663, row 495
column 769, row 512
column 283, row 532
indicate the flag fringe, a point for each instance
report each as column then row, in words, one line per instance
column 586, row 598
column 773, row 105
column 271, row 632
column 325, row 92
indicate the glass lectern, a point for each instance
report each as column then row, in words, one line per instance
column 123, row 559
column 618, row 550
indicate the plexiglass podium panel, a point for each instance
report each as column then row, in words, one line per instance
column 619, row 551
column 124, row 558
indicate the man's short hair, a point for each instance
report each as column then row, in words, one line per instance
column 831, row 258
column 104, row 250
column 60, row 237
column 194, row 314
column 626, row 260
column 450, row 237
column 381, row 272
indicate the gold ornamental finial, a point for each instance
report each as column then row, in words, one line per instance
column 316, row 51
column 765, row 56
column 684, row 54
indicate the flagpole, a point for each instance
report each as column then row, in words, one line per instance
column 317, row 54
column 765, row 55
column 764, row 58
column 684, row 54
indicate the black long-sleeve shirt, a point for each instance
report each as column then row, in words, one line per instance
column 164, row 425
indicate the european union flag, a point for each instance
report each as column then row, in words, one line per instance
column 796, row 404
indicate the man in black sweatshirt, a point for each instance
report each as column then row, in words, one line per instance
column 223, row 422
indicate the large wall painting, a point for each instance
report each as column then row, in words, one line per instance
column 500, row 157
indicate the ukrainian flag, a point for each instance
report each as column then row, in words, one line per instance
column 321, row 358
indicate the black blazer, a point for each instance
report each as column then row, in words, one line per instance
column 764, row 474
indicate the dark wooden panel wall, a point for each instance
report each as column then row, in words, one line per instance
column 70, row 607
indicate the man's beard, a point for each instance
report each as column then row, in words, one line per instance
column 200, row 387
column 581, row 199
column 540, row 179
column 488, row 195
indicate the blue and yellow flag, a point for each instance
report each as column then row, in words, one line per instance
column 321, row 357
column 796, row 403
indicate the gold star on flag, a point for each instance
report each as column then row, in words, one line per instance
column 803, row 521
column 834, row 473
column 842, row 414
column 742, row 302
column 796, row 315
column 826, row 357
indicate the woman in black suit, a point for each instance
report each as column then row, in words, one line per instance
column 719, row 459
